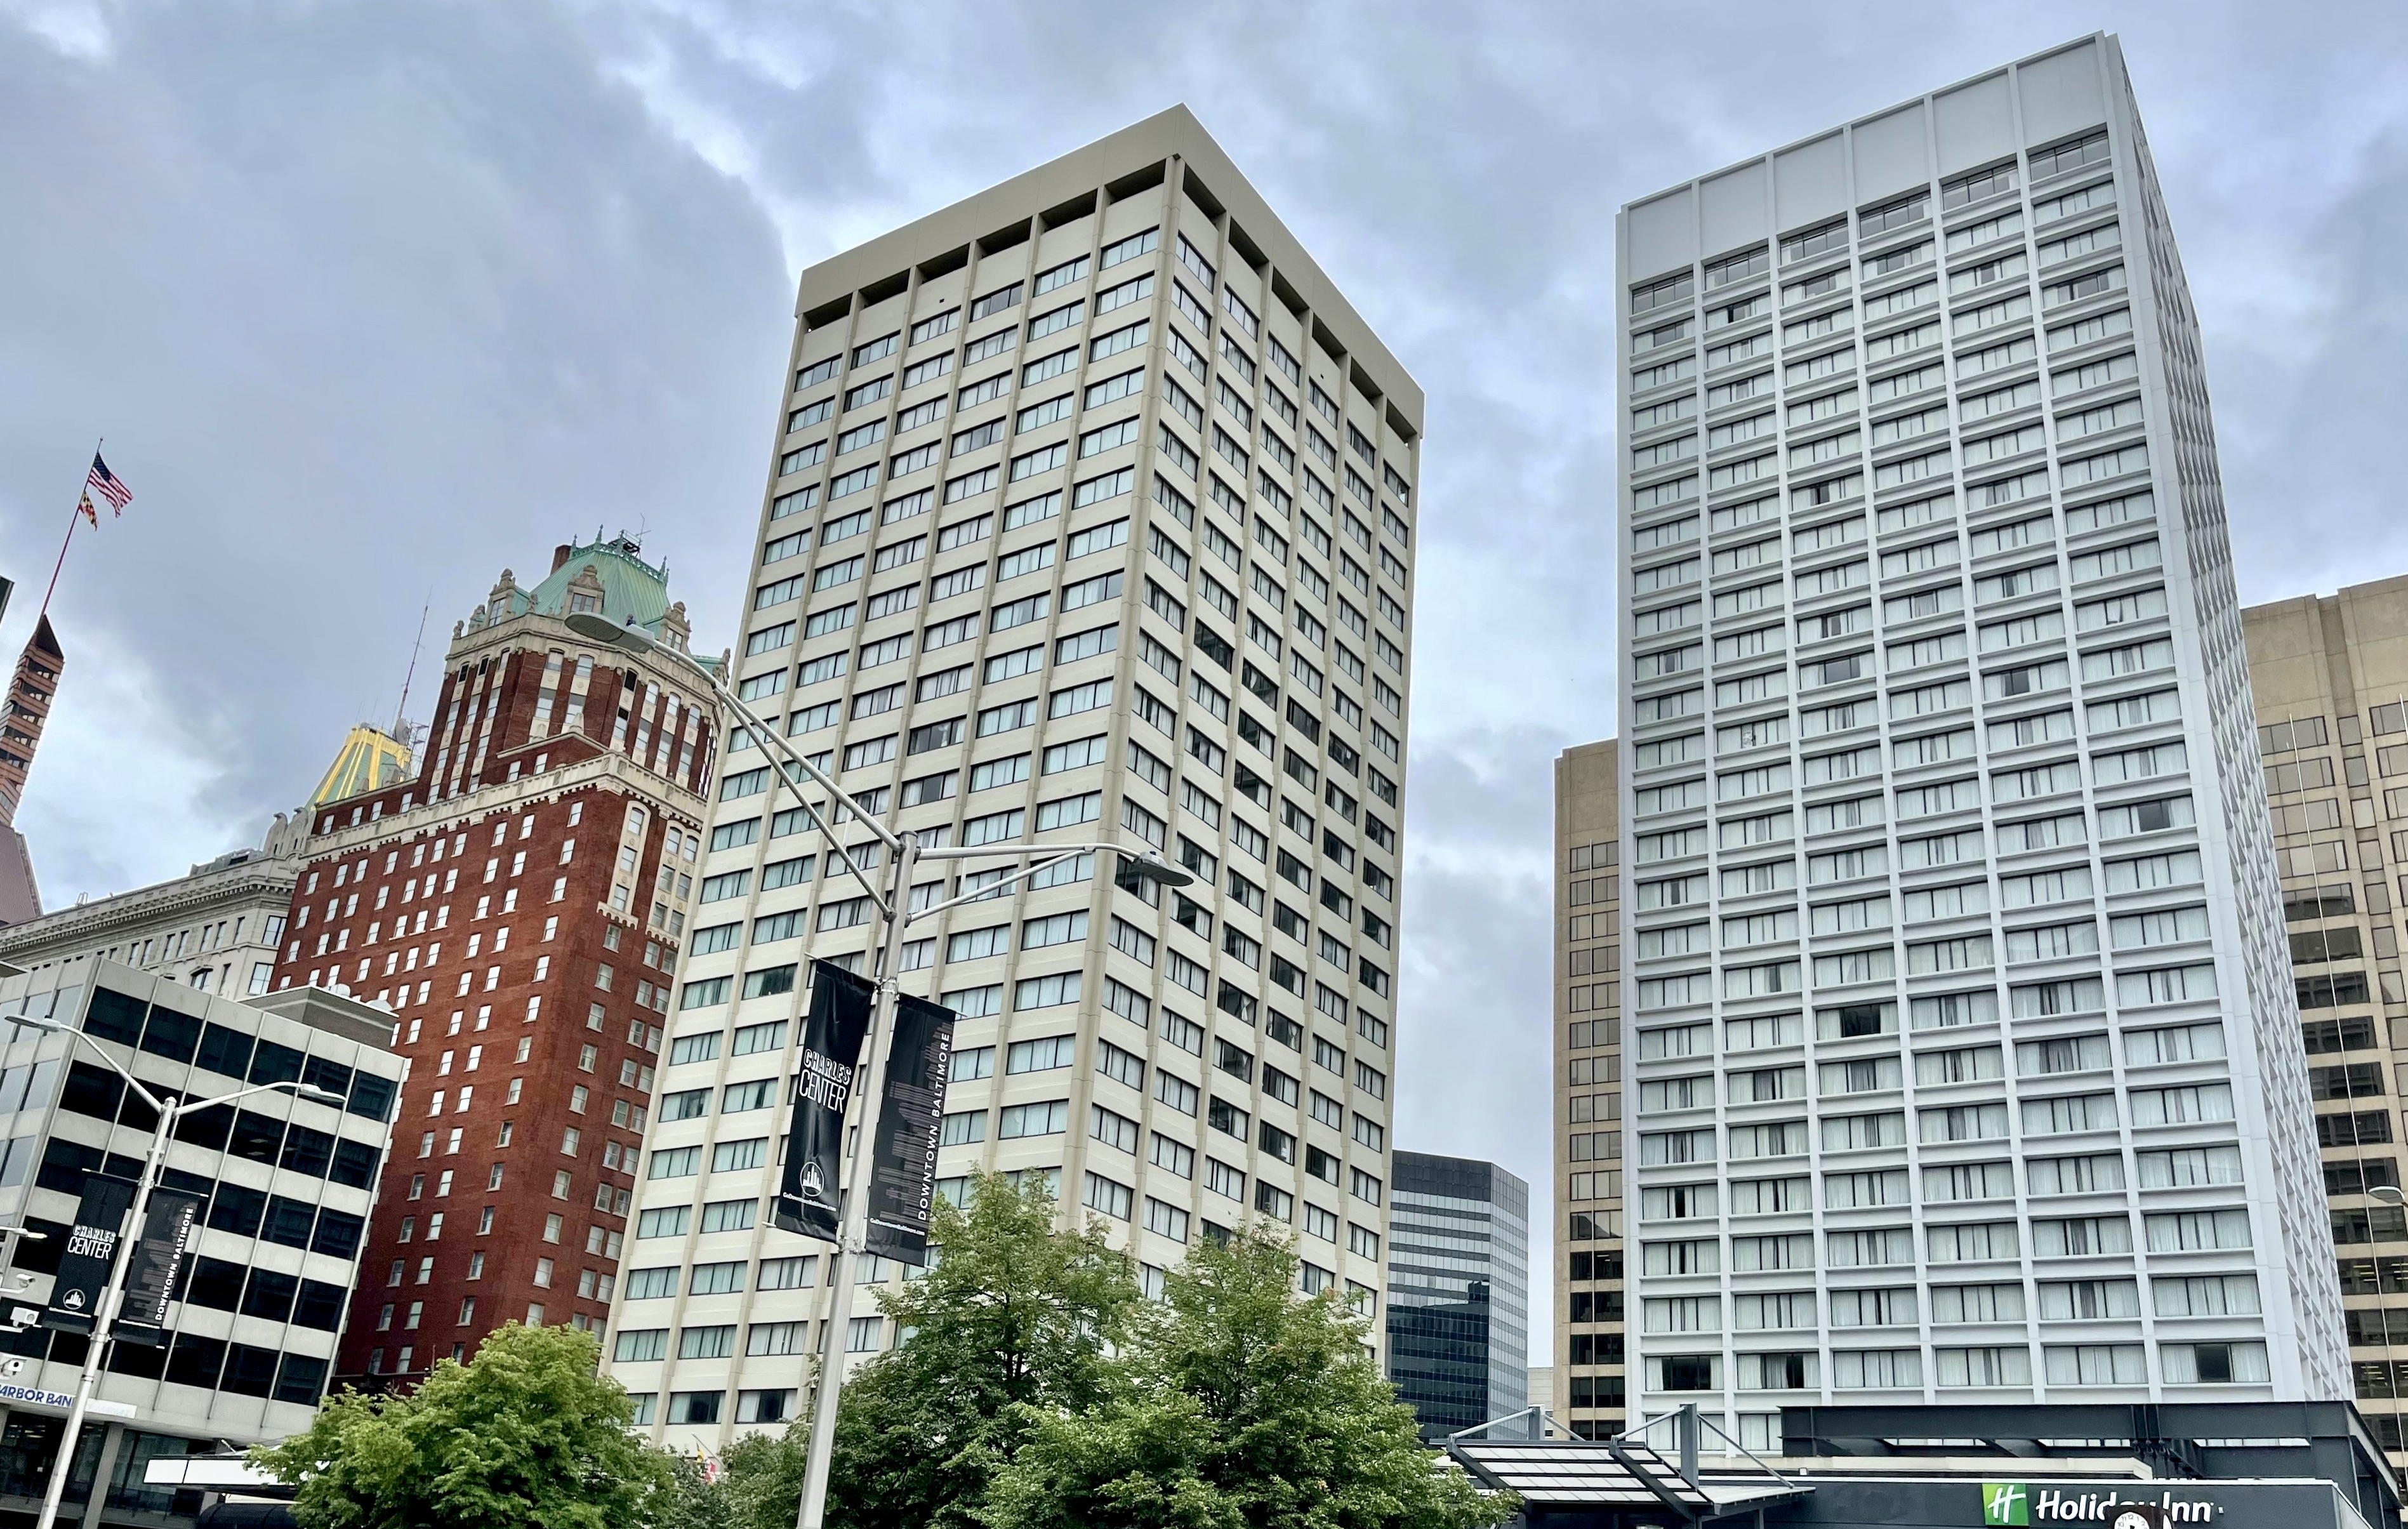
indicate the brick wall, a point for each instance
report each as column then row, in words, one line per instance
column 512, row 927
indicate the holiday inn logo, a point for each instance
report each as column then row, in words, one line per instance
column 2019, row 1504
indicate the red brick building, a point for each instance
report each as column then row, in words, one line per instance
column 518, row 902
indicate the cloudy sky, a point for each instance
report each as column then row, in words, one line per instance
column 372, row 301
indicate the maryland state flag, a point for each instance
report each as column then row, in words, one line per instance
column 91, row 514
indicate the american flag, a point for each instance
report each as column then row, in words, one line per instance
column 108, row 485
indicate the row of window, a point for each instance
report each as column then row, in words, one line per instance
column 2100, row 1173
column 244, row 1211
column 2172, row 1232
column 2057, row 1300
column 2061, row 1364
column 2079, row 151
column 1998, row 286
column 1885, row 1071
column 1847, row 438
column 2188, row 983
column 183, row 1038
column 189, row 1359
column 2076, row 1114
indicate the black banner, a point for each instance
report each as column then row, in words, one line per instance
column 167, row 1222
column 903, row 1170
column 90, row 1254
column 823, row 1079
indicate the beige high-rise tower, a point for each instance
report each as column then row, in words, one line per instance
column 1089, row 514
column 2330, row 675
column 1589, row 1391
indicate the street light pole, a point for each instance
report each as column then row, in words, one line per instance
column 853, row 1229
column 113, row 1293
column 896, row 915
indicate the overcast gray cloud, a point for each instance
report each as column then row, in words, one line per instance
column 374, row 300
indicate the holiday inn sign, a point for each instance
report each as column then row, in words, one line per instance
column 2017, row 1504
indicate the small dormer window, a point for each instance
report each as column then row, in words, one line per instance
column 581, row 602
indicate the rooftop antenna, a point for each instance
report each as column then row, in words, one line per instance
column 400, row 726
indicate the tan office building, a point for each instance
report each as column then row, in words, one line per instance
column 2330, row 675
column 1089, row 515
column 1587, row 1384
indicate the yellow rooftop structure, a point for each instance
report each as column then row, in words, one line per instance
column 370, row 760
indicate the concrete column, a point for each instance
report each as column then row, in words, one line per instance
column 93, row 1505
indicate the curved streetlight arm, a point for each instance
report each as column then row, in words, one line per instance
column 1043, row 857
column 634, row 640
column 765, row 735
column 310, row 1092
column 1019, row 852
column 911, row 915
column 158, row 1105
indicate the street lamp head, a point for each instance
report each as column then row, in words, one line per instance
column 595, row 627
column 2388, row 1194
column 321, row 1096
column 1151, row 866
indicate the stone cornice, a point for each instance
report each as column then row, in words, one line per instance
column 147, row 906
column 612, row 770
column 534, row 631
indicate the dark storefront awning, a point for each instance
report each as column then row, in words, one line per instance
column 1607, row 1476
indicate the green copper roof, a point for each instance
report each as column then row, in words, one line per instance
column 631, row 588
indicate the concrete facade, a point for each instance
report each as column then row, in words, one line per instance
column 2330, row 675
column 1589, row 1280
column 1964, row 1028
column 287, row 1182
column 1131, row 555
column 217, row 929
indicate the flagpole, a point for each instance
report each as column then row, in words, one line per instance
column 70, row 536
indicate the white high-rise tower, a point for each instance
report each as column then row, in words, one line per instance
column 1965, row 1060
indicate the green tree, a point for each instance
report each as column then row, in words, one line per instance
column 1014, row 1313
column 762, row 1487
column 692, row 1500
column 525, row 1436
column 1246, row 1408
column 1016, row 1319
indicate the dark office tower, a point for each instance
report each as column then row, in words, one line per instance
column 1459, row 1289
